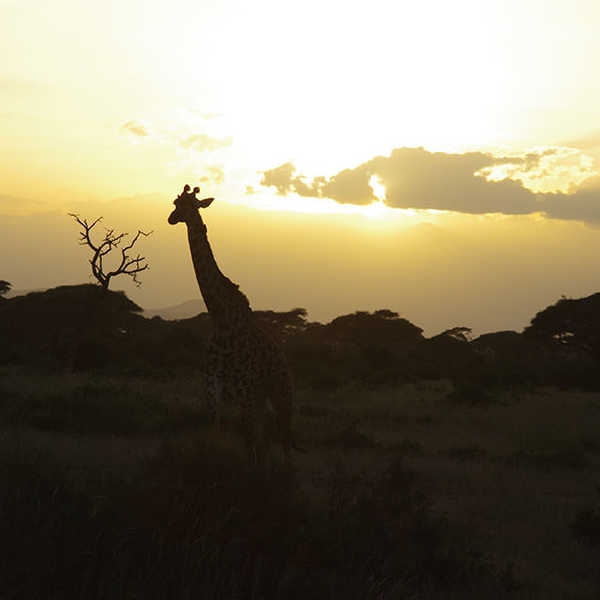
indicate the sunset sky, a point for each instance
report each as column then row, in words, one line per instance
column 440, row 159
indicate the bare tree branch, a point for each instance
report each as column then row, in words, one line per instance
column 127, row 264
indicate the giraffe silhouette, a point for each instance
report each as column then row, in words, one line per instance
column 243, row 361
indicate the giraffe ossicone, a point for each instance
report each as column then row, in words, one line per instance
column 243, row 362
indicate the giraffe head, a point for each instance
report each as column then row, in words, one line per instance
column 187, row 205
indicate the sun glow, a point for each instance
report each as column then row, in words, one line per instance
column 205, row 95
column 375, row 210
column 376, row 216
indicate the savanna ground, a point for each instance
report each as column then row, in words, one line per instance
column 118, row 487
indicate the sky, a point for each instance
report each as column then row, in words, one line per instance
column 440, row 159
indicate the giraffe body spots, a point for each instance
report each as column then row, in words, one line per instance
column 247, row 368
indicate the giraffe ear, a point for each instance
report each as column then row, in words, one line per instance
column 205, row 202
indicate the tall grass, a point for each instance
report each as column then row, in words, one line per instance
column 195, row 522
column 115, row 487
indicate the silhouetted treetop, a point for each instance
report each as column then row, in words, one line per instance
column 385, row 313
column 4, row 287
column 381, row 326
column 461, row 334
column 70, row 302
column 283, row 324
column 570, row 322
column 84, row 326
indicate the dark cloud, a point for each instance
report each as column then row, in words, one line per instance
column 135, row 128
column 581, row 205
column 350, row 186
column 418, row 179
column 202, row 142
column 283, row 180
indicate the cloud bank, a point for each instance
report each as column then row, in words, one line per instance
column 471, row 183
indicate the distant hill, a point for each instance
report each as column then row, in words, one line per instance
column 185, row 310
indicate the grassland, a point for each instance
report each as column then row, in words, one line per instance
column 118, row 487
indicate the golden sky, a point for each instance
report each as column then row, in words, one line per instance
column 437, row 158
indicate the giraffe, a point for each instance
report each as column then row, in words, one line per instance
column 243, row 361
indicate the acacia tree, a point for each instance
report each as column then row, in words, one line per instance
column 126, row 264
column 572, row 322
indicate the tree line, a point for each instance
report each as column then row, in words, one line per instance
column 87, row 327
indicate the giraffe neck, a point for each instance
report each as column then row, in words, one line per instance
column 224, row 301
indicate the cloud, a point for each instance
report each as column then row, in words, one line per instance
column 214, row 174
column 350, row 186
column 135, row 128
column 202, row 142
column 581, row 205
column 472, row 183
column 281, row 178
column 418, row 179
column 347, row 187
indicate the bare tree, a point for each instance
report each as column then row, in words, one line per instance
column 125, row 265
